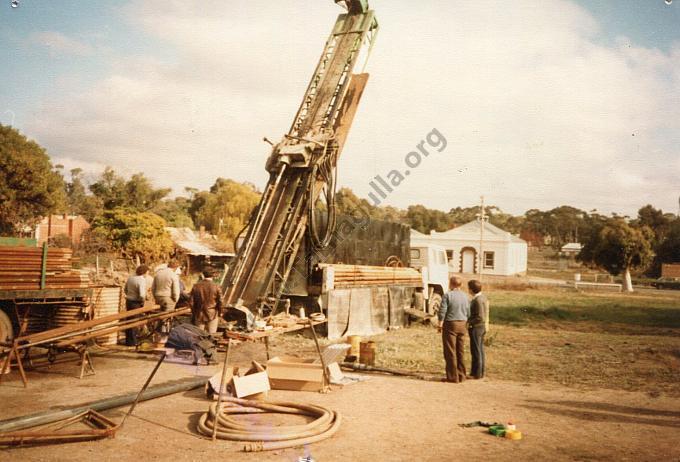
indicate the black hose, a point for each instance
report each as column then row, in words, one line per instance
column 328, row 173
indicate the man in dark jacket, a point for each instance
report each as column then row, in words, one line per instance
column 206, row 303
column 479, row 311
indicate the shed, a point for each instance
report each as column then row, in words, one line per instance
column 200, row 252
column 571, row 249
column 504, row 254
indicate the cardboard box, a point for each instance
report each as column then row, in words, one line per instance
column 289, row 373
column 251, row 384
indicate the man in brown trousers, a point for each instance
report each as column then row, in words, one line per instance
column 453, row 315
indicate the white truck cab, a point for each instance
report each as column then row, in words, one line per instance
column 433, row 264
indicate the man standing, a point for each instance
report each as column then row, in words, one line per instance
column 479, row 311
column 135, row 295
column 206, row 303
column 453, row 315
column 165, row 287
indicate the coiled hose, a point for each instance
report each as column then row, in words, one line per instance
column 267, row 437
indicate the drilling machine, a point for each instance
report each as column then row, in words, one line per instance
column 302, row 172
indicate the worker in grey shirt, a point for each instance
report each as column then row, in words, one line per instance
column 165, row 287
column 135, row 295
column 453, row 315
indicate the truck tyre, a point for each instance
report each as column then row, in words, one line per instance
column 434, row 303
column 6, row 328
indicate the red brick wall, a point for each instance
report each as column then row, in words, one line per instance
column 670, row 270
column 72, row 226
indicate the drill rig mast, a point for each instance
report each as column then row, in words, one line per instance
column 302, row 168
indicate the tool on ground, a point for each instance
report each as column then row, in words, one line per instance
column 479, row 423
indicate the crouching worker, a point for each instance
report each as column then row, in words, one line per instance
column 206, row 303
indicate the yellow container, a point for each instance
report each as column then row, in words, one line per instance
column 355, row 341
column 513, row 434
column 367, row 356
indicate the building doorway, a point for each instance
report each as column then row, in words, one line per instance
column 468, row 260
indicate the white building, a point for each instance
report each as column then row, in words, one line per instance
column 503, row 253
column 571, row 249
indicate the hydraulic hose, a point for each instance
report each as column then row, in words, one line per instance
column 267, row 437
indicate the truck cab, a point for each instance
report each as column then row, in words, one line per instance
column 433, row 264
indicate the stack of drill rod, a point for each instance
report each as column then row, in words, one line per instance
column 359, row 275
column 21, row 269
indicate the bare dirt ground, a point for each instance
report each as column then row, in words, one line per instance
column 384, row 418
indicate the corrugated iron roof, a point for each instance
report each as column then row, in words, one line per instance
column 187, row 240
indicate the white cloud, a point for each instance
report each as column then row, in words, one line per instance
column 536, row 111
column 59, row 44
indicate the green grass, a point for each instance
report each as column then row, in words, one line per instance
column 535, row 306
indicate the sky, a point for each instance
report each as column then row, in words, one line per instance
column 542, row 103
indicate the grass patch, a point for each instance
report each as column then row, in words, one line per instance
column 581, row 340
column 536, row 306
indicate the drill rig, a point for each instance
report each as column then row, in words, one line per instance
column 302, row 170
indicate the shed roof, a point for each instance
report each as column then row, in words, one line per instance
column 187, row 240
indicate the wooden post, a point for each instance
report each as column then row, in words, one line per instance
column 43, row 267
column 318, row 350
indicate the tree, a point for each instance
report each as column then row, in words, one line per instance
column 78, row 200
column 656, row 220
column 175, row 212
column 29, row 186
column 618, row 248
column 133, row 233
column 668, row 250
column 137, row 193
column 425, row 220
column 224, row 210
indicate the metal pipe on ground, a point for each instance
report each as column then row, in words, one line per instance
column 385, row 370
column 157, row 391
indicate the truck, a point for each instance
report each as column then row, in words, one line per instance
column 432, row 262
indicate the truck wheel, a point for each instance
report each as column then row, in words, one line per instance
column 6, row 328
column 435, row 303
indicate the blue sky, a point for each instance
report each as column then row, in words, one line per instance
column 552, row 102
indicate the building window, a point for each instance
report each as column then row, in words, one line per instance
column 449, row 254
column 489, row 260
column 415, row 254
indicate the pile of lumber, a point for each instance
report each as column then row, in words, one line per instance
column 21, row 269
column 360, row 275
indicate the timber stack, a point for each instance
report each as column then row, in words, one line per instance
column 361, row 275
column 22, row 268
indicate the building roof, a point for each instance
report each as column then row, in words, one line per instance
column 471, row 232
column 187, row 240
column 572, row 247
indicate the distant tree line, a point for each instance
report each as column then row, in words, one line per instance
column 128, row 214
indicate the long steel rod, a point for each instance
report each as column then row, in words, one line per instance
column 42, row 418
column 146, row 384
